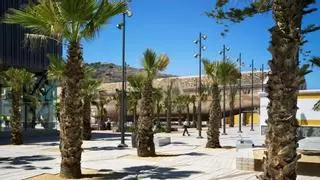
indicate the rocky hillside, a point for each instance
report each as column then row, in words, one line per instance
column 110, row 72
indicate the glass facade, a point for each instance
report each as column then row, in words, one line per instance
column 38, row 110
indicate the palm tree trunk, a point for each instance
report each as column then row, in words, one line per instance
column 145, row 144
column 71, row 122
column 86, row 119
column 188, row 113
column 179, row 117
column 168, row 130
column 135, row 122
column 281, row 137
column 158, row 124
column 231, row 105
column 16, row 137
column 194, row 115
column 214, row 119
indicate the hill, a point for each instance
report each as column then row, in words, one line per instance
column 110, row 72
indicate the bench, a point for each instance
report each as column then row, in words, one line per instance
column 162, row 141
column 241, row 144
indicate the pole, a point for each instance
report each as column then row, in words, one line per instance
column 123, row 95
column 252, row 96
column 199, row 106
column 240, row 64
column 224, row 95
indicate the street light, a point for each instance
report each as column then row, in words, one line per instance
column 123, row 111
column 252, row 69
column 223, row 52
column 198, row 55
column 240, row 113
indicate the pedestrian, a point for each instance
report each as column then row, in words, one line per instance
column 185, row 127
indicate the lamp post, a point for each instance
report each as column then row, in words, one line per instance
column 123, row 90
column 252, row 69
column 224, row 91
column 262, row 77
column 240, row 65
column 198, row 55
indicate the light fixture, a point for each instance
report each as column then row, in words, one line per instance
column 203, row 36
column 128, row 13
column 196, row 41
column 196, row 55
column 119, row 26
column 204, row 48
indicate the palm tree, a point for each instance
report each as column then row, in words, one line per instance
column 168, row 105
column 233, row 77
column 17, row 79
column 134, row 95
column 100, row 103
column 194, row 110
column 218, row 73
column 68, row 21
column 89, row 90
column 157, row 98
column 152, row 64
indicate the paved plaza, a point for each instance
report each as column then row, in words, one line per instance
column 184, row 158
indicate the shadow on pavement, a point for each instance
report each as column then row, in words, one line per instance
column 156, row 172
column 41, row 137
column 103, row 148
column 23, row 162
column 185, row 154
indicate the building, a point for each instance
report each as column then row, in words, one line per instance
column 15, row 52
column 189, row 85
column 308, row 118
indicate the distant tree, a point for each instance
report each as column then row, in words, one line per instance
column 168, row 105
column 17, row 79
column 134, row 94
column 89, row 90
column 194, row 110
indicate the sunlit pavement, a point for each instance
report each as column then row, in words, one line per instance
column 184, row 158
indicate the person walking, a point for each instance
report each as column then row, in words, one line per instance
column 185, row 127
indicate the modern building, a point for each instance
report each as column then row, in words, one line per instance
column 16, row 52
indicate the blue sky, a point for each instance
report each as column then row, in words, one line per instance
column 170, row 26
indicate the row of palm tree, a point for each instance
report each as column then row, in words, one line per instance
column 68, row 21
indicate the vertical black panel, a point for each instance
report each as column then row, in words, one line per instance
column 14, row 53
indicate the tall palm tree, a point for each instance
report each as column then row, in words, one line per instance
column 17, row 79
column 218, row 73
column 89, row 90
column 287, row 37
column 68, row 21
column 152, row 64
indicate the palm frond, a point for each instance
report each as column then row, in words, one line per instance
column 315, row 61
column 316, row 107
column 56, row 68
column 18, row 78
column 101, row 15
